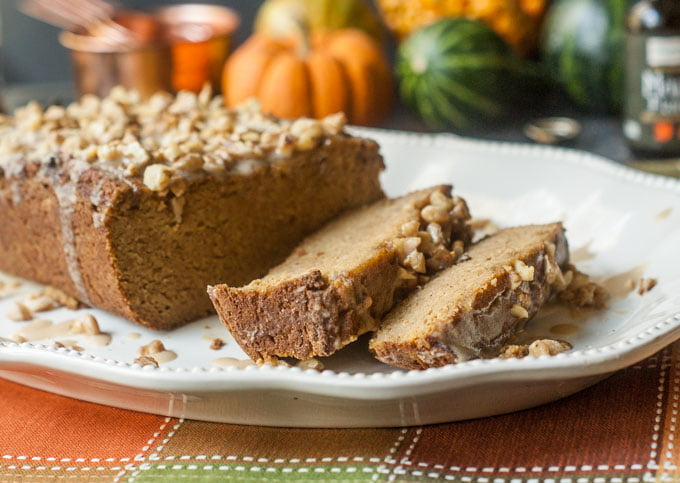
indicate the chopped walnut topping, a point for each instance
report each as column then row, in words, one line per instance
column 554, row 275
column 308, row 133
column 537, row 348
column 525, row 272
column 153, row 347
column 434, row 214
column 645, row 285
column 146, row 361
column 39, row 302
column 86, row 324
column 549, row 347
column 61, row 298
column 334, row 124
column 157, row 177
column 177, row 205
column 425, row 246
column 582, row 292
column 217, row 344
column 416, row 261
column 514, row 351
column 187, row 133
column 458, row 247
column 519, row 312
column 409, row 229
column 312, row 363
column 8, row 288
column 272, row 361
column 18, row 312
column 550, row 249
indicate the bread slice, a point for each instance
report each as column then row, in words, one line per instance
column 470, row 309
column 136, row 206
column 339, row 282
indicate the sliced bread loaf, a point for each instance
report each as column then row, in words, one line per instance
column 470, row 309
column 136, row 206
column 339, row 282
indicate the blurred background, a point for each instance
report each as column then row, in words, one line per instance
column 501, row 69
column 30, row 49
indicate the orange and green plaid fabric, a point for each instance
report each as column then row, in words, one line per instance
column 621, row 430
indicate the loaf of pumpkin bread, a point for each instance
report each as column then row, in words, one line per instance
column 136, row 206
column 472, row 308
column 339, row 282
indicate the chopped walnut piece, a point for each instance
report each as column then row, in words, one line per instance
column 334, row 124
column 272, row 361
column 519, row 312
column 525, row 272
column 550, row 248
column 548, row 347
column 416, row 261
column 153, row 347
column 514, row 351
column 312, row 363
column 177, row 205
column 308, row 133
column 458, row 248
column 537, row 348
column 18, row 338
column 217, row 344
column 18, row 312
column 40, row 303
column 86, row 324
column 435, row 214
column 424, row 246
column 189, row 162
column 62, row 298
column 157, row 177
column 409, row 229
column 645, row 285
column 582, row 292
column 406, row 246
column 8, row 288
column 146, row 361
column 513, row 277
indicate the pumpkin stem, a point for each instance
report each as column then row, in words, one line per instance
column 301, row 33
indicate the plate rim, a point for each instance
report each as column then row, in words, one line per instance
column 591, row 361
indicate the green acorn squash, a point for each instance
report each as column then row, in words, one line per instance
column 456, row 73
column 582, row 46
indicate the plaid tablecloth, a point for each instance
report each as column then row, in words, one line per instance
column 621, row 430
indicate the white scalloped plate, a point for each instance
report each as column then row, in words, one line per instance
column 620, row 223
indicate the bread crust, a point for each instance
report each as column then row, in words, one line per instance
column 309, row 315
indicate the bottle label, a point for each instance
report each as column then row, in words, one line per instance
column 663, row 51
column 652, row 101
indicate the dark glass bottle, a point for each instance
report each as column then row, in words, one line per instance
column 651, row 117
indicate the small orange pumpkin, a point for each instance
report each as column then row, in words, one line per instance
column 313, row 76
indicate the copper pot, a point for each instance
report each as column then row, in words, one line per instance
column 178, row 47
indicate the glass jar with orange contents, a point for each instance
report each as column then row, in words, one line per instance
column 200, row 37
column 652, row 81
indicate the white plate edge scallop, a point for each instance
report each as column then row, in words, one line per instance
column 653, row 335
